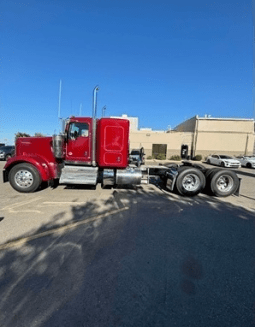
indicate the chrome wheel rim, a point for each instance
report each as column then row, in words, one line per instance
column 24, row 178
column 225, row 183
column 191, row 182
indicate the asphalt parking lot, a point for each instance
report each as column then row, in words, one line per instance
column 22, row 215
column 127, row 257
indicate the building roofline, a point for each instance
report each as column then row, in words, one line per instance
column 223, row 118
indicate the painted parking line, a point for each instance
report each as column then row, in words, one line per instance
column 11, row 208
column 60, row 229
column 51, row 203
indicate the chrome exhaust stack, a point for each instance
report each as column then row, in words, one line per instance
column 94, row 125
column 58, row 145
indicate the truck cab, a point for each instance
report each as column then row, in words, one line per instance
column 89, row 151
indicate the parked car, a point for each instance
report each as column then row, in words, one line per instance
column 223, row 161
column 247, row 161
column 137, row 157
column 6, row 152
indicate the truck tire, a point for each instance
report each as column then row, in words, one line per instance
column 24, row 178
column 223, row 182
column 190, row 181
column 211, row 171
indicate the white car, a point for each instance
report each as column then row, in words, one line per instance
column 223, row 161
column 247, row 161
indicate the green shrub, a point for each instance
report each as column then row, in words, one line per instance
column 198, row 157
column 176, row 158
column 149, row 157
column 161, row 156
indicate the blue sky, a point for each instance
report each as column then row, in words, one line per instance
column 163, row 61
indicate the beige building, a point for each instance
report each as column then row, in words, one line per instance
column 234, row 136
column 203, row 135
column 133, row 121
column 155, row 142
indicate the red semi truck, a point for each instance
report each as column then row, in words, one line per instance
column 91, row 151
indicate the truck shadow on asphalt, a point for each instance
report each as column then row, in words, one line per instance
column 149, row 258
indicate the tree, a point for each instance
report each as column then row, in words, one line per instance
column 20, row 134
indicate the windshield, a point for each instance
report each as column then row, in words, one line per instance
column 135, row 152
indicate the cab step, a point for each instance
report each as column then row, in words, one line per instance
column 79, row 175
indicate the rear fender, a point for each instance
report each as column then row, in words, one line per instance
column 171, row 176
column 40, row 164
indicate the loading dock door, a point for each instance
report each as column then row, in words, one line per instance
column 159, row 149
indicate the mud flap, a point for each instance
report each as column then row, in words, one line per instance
column 171, row 176
column 237, row 192
column 5, row 176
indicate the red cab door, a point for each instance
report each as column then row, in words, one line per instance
column 78, row 146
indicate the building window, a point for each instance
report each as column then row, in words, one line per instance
column 159, row 149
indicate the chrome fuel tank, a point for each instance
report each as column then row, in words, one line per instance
column 128, row 176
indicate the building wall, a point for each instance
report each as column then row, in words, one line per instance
column 132, row 120
column 224, row 143
column 226, row 125
column 187, row 126
column 203, row 135
column 229, row 136
column 173, row 140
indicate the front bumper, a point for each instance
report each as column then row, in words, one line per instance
column 232, row 165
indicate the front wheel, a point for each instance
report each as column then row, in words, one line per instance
column 222, row 164
column 248, row 165
column 24, row 178
column 190, row 181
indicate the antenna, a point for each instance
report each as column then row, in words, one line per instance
column 80, row 109
column 103, row 111
column 59, row 99
column 60, row 120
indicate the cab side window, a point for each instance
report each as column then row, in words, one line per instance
column 78, row 129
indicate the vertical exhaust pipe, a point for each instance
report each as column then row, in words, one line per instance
column 94, row 113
